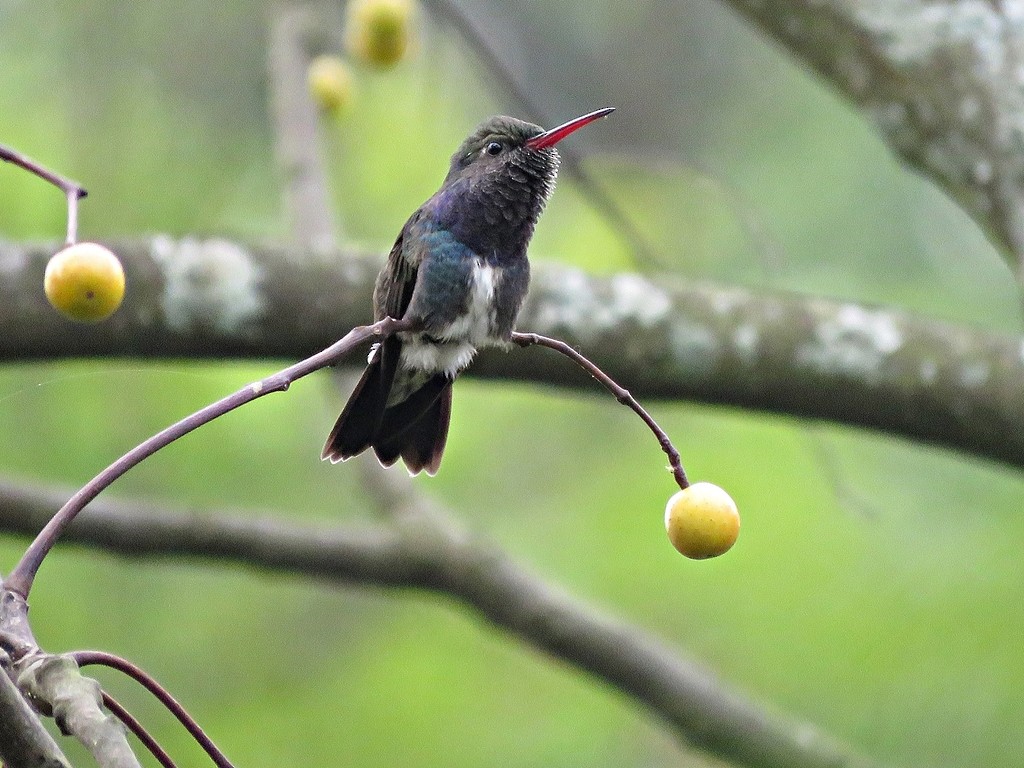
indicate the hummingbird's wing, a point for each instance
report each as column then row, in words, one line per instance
column 415, row 428
column 361, row 418
column 395, row 283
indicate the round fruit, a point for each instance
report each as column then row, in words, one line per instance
column 84, row 282
column 330, row 83
column 702, row 521
column 379, row 31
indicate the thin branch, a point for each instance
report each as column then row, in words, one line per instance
column 621, row 394
column 86, row 658
column 572, row 161
column 133, row 725
column 19, row 581
column 848, row 495
column 64, row 184
column 424, row 552
column 72, row 189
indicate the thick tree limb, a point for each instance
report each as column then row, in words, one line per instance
column 943, row 81
column 24, row 742
column 870, row 367
column 422, row 552
column 77, row 705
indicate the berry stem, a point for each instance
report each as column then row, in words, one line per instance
column 72, row 197
column 621, row 394
column 72, row 189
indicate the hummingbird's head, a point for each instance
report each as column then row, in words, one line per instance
column 497, row 153
column 502, row 175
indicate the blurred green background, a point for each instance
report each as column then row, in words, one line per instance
column 873, row 587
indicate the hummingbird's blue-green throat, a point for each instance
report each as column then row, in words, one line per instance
column 458, row 274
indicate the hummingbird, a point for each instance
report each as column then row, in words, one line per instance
column 458, row 273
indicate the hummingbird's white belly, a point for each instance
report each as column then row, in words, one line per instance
column 461, row 339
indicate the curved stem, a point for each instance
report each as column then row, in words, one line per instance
column 86, row 658
column 23, row 574
column 72, row 189
column 64, row 184
column 621, row 394
column 133, row 725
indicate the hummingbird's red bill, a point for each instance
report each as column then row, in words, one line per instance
column 555, row 135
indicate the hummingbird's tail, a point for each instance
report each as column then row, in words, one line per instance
column 414, row 430
column 417, row 428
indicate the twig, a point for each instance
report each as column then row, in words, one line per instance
column 72, row 189
column 133, row 725
column 571, row 160
column 621, row 394
column 20, row 579
column 847, row 495
column 86, row 658
column 64, row 184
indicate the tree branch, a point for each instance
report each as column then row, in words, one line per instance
column 24, row 742
column 296, row 130
column 943, row 82
column 72, row 190
column 77, row 702
column 423, row 554
column 878, row 368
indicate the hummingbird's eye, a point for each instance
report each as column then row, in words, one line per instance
column 493, row 148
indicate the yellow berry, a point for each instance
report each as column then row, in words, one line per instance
column 380, row 31
column 702, row 521
column 330, row 83
column 84, row 282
